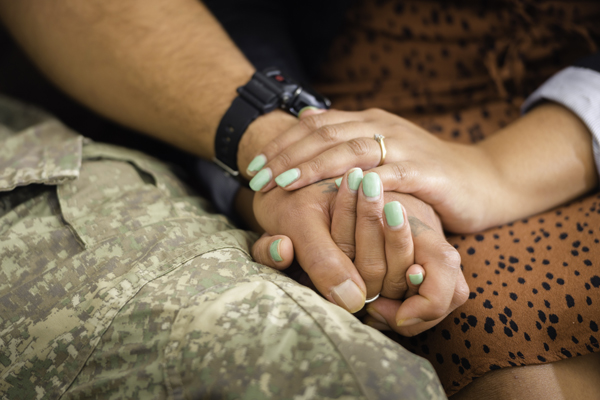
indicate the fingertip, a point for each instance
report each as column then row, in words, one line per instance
column 261, row 179
column 256, row 164
column 288, row 177
column 416, row 274
column 310, row 110
column 394, row 215
column 274, row 251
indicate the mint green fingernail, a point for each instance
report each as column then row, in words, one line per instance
column 338, row 181
column 355, row 178
column 371, row 185
column 257, row 164
column 393, row 214
column 274, row 250
column 261, row 179
column 416, row 279
column 306, row 109
column 288, row 177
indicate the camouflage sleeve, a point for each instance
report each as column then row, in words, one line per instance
column 116, row 282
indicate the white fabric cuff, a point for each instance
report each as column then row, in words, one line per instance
column 577, row 89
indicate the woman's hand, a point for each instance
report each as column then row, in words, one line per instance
column 459, row 181
column 538, row 162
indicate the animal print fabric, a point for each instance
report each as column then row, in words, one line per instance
column 461, row 69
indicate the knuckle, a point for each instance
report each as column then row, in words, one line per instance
column 376, row 112
column 348, row 249
column 451, row 257
column 311, row 123
column 403, row 245
column 395, row 287
column 371, row 269
column 316, row 165
column 328, row 133
column 358, row 147
column 400, row 171
column 371, row 218
column 273, row 147
column 284, row 160
column 461, row 294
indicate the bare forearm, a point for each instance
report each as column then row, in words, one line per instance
column 544, row 159
column 165, row 68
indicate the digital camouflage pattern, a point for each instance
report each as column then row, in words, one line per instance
column 117, row 282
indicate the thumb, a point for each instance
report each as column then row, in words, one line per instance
column 274, row 251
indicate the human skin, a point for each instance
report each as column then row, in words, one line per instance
column 164, row 68
column 540, row 161
column 305, row 217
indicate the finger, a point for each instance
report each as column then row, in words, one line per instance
column 363, row 152
column 370, row 258
column 415, row 275
column 399, row 250
column 308, row 148
column 332, row 272
column 274, row 251
column 310, row 110
column 435, row 295
column 461, row 294
column 309, row 123
column 343, row 221
column 375, row 323
column 385, row 310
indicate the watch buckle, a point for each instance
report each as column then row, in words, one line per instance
column 225, row 167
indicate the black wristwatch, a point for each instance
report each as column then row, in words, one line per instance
column 266, row 91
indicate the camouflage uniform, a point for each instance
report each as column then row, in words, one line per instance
column 116, row 282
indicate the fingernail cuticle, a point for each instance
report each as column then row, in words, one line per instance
column 261, row 179
column 393, row 214
column 289, row 176
column 274, row 250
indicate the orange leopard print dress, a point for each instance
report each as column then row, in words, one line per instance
column 461, row 69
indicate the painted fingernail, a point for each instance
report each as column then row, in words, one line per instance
column 261, row 179
column 348, row 296
column 416, row 279
column 274, row 250
column 393, row 214
column 354, row 179
column 302, row 110
column 409, row 321
column 371, row 185
column 376, row 315
column 257, row 164
column 288, row 177
column 338, row 182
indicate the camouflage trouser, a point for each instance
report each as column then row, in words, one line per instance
column 116, row 282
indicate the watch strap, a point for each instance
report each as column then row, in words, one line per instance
column 231, row 128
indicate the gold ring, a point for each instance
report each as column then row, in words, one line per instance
column 379, row 139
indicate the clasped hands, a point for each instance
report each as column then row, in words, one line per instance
column 350, row 248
